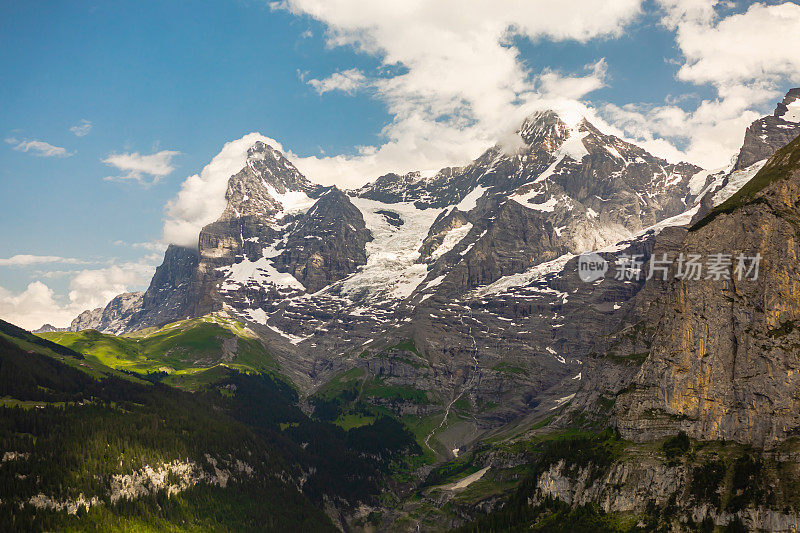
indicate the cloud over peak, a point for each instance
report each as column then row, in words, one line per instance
column 456, row 81
column 201, row 199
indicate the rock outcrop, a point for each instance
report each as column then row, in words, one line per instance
column 113, row 318
column 172, row 293
column 767, row 135
column 49, row 328
column 326, row 244
column 724, row 362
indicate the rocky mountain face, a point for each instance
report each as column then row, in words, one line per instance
column 326, row 244
column 113, row 318
column 767, row 135
column 723, row 363
column 171, row 295
column 762, row 139
column 475, row 266
column 702, row 355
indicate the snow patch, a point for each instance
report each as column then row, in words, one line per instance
column 260, row 272
column 549, row 171
column 562, row 401
column 525, row 198
column 257, row 315
column 470, row 479
column 294, row 339
column 614, row 152
column 471, row 200
column 736, row 181
column 434, row 282
column 292, row 201
column 793, row 113
column 392, row 270
column 524, row 278
column 573, row 147
column 451, row 239
column 698, row 181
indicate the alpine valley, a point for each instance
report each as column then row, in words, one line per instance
column 420, row 354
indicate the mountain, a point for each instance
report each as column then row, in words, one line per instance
column 694, row 385
column 113, row 318
column 323, row 276
column 762, row 139
column 723, row 363
column 183, row 353
column 453, row 304
column 49, row 328
column 765, row 136
column 236, row 453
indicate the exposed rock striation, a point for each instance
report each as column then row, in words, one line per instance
column 325, row 244
column 724, row 363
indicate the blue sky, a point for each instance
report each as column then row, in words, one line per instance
column 144, row 77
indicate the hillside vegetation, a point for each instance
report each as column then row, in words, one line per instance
column 183, row 353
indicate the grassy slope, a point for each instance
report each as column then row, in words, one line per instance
column 90, row 424
column 229, row 414
column 35, row 345
column 188, row 351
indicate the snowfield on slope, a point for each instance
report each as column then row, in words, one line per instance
column 391, row 271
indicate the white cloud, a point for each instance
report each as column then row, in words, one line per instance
column 31, row 308
column 759, row 44
column 157, row 166
column 746, row 57
column 454, row 83
column 201, row 199
column 573, row 87
column 347, row 81
column 88, row 289
column 26, row 260
column 159, row 247
column 458, row 82
column 94, row 288
column 712, row 132
column 679, row 12
column 82, row 128
column 39, row 148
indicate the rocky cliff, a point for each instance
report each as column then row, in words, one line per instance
column 724, row 362
column 326, row 244
column 766, row 135
column 113, row 318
